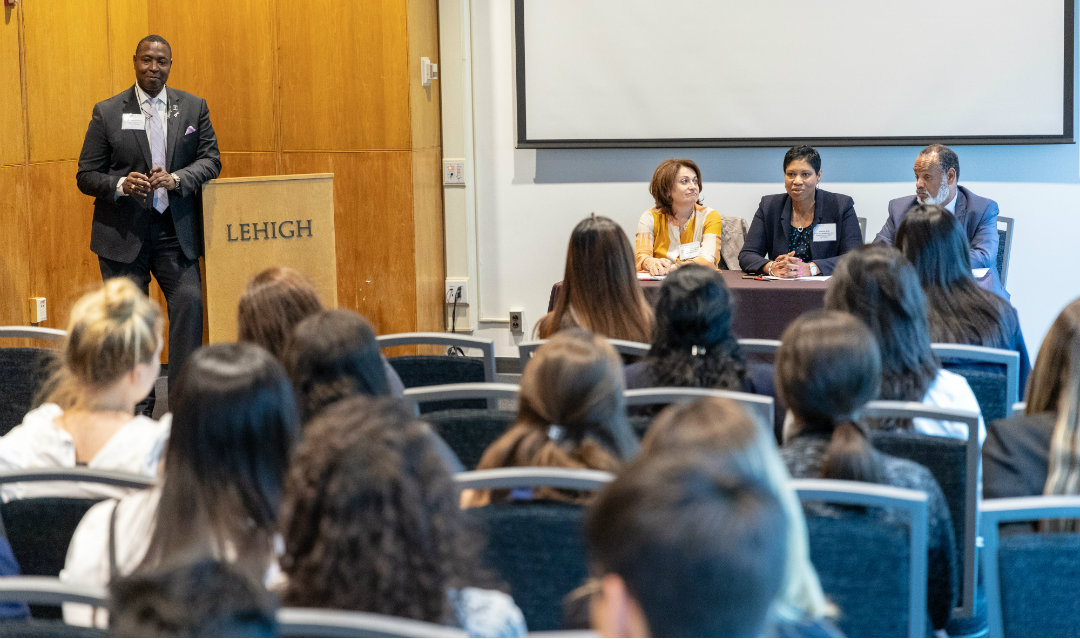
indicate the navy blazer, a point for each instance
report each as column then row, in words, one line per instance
column 770, row 232
column 978, row 215
column 110, row 152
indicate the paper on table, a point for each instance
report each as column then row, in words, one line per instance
column 808, row 278
column 645, row 277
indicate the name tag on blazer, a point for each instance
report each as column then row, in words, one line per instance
column 825, row 232
column 135, row 121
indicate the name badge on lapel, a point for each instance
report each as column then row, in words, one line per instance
column 825, row 232
column 136, row 121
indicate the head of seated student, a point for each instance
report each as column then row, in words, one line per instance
column 721, row 429
column 684, row 548
column 332, row 355
column 1050, row 375
column 273, row 303
column 371, row 519
column 959, row 311
column 828, row 367
column 880, row 287
column 675, row 184
column 112, row 354
column 234, row 426
column 570, row 414
column 693, row 344
column 197, row 598
column 600, row 291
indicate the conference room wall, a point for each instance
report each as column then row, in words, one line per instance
column 292, row 87
column 523, row 204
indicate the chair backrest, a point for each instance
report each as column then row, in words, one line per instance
column 428, row 370
column 425, row 399
column 622, row 346
column 1019, row 407
column 47, row 593
column 759, row 405
column 324, row 622
column 535, row 546
column 862, row 227
column 861, row 556
column 1031, row 578
column 992, row 373
column 23, row 371
column 34, row 332
column 1005, row 237
column 40, row 528
column 965, row 526
column 733, row 231
column 470, row 431
column 758, row 346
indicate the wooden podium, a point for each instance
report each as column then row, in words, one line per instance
column 253, row 223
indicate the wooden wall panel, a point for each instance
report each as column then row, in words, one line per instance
column 424, row 101
column 14, row 246
column 428, row 241
column 13, row 140
column 373, row 226
column 62, row 267
column 127, row 25
column 224, row 52
column 67, row 71
column 249, row 164
column 343, row 73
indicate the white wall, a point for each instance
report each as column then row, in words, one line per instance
column 507, row 230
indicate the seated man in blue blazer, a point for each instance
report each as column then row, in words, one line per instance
column 937, row 171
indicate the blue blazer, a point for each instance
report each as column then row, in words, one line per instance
column 978, row 215
column 770, row 232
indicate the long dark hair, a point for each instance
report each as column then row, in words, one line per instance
column 959, row 311
column 371, row 519
column 233, row 429
column 693, row 344
column 879, row 286
column 332, row 355
column 273, row 303
column 827, row 367
column 600, row 290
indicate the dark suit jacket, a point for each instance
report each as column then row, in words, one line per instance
column 978, row 215
column 770, row 232
column 110, row 153
column 1016, row 455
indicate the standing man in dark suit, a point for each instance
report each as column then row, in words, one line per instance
column 146, row 155
column 937, row 171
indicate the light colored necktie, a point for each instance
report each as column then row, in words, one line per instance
column 157, row 152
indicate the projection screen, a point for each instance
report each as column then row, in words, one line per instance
column 638, row 73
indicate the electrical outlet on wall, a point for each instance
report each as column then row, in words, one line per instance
column 517, row 321
column 456, row 289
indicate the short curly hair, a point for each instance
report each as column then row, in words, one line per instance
column 371, row 519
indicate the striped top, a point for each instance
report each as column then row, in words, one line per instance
column 658, row 236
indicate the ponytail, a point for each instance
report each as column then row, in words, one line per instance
column 850, row 455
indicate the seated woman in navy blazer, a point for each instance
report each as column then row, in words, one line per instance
column 804, row 231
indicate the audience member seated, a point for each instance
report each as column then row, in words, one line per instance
column 234, row 426
column 683, row 548
column 680, row 229
column 722, row 430
column 570, row 415
column 1017, row 452
column 274, row 302
column 827, row 368
column 202, row 598
column 937, row 172
column 879, row 286
column 333, row 355
column 600, row 291
column 371, row 523
column 111, row 360
column 692, row 344
column 803, row 232
column 960, row 312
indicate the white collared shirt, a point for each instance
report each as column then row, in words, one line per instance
column 951, row 205
column 162, row 112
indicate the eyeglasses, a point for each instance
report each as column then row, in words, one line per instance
column 686, row 181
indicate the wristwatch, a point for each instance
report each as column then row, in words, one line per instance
column 814, row 270
column 176, row 178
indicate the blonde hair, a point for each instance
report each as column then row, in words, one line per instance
column 721, row 429
column 111, row 331
column 570, row 406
